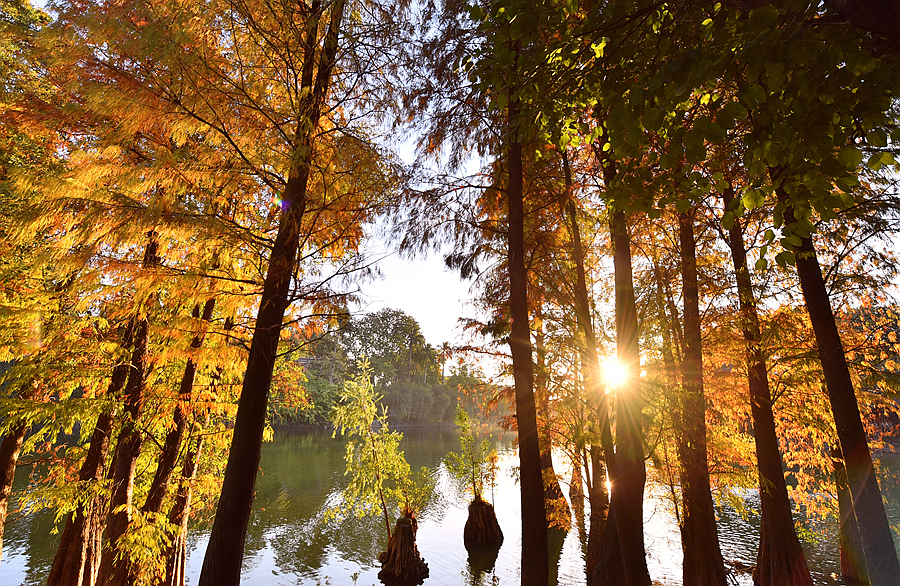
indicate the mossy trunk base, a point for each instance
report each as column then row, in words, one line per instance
column 482, row 527
column 401, row 564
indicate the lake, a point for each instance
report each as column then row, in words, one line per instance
column 290, row 543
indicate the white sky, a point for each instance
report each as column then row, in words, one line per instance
column 422, row 288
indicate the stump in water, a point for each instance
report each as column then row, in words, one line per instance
column 401, row 564
column 483, row 537
column 482, row 527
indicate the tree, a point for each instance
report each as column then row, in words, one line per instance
column 780, row 559
column 380, row 477
column 703, row 559
column 473, row 466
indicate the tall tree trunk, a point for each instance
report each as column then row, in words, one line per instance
column 780, row 560
column 598, row 498
column 172, row 444
column 535, row 563
column 853, row 563
column 703, row 564
column 113, row 567
column 176, row 555
column 9, row 458
column 603, row 558
column 671, row 347
column 128, row 448
column 75, row 553
column 224, row 554
column 576, row 496
column 627, row 493
column 875, row 534
column 555, row 504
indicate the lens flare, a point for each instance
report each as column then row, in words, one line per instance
column 614, row 373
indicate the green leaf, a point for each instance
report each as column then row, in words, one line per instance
column 879, row 160
column 728, row 220
column 753, row 198
column 502, row 100
column 850, row 157
column 785, row 258
column 735, row 110
column 752, row 96
column 599, row 47
column 877, row 138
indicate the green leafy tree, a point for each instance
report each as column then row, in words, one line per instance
column 475, row 464
column 380, row 477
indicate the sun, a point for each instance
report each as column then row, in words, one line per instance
column 614, row 373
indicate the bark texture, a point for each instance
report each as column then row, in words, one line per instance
column 401, row 564
column 535, row 566
column 9, row 458
column 703, row 563
column 780, row 560
column 224, row 554
column 482, row 527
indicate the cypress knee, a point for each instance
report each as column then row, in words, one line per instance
column 401, row 564
column 482, row 527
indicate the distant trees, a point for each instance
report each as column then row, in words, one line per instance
column 405, row 370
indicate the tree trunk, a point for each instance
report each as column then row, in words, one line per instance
column 113, row 568
column 607, row 569
column 780, row 560
column 576, row 495
column 875, row 533
column 9, row 458
column 224, row 554
column 627, row 493
column 74, row 553
column 703, row 564
column 555, row 505
column 598, row 499
column 172, row 445
column 482, row 528
column 176, row 555
column 597, row 402
column 401, row 564
column 853, row 563
column 535, row 564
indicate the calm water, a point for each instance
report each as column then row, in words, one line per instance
column 289, row 543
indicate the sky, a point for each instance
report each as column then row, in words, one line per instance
column 424, row 289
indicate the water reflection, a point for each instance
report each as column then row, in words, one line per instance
column 480, row 563
column 291, row 542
